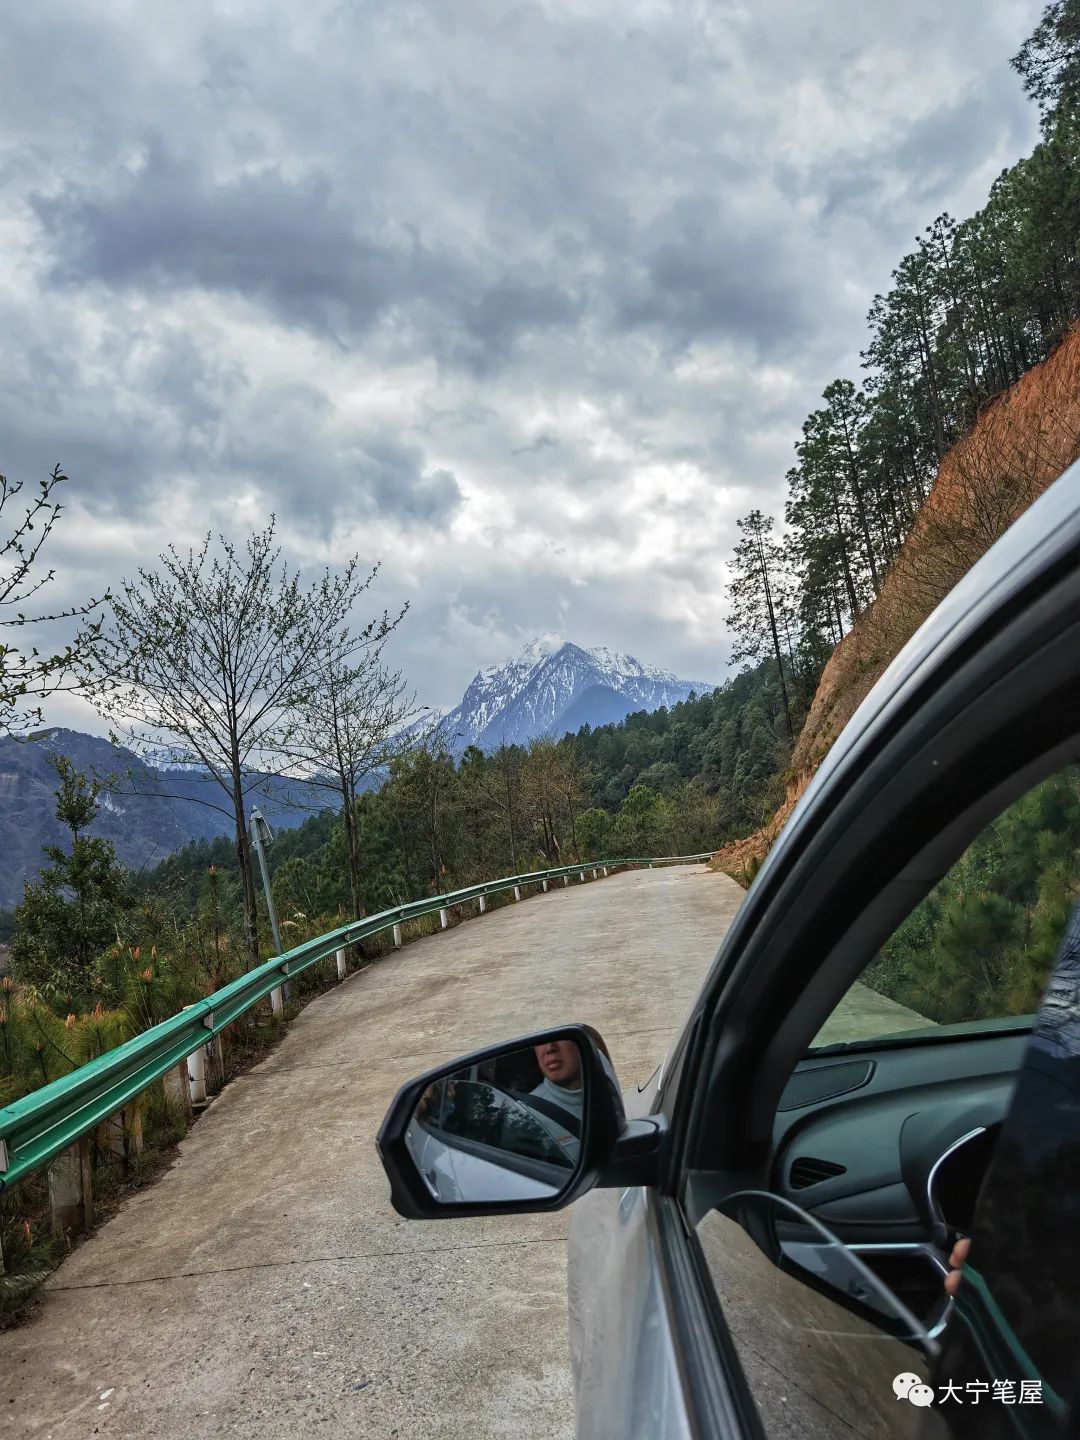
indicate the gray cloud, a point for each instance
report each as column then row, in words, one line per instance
column 290, row 244
column 531, row 304
column 704, row 273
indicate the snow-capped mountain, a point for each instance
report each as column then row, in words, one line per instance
column 553, row 686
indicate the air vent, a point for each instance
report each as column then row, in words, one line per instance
column 806, row 1171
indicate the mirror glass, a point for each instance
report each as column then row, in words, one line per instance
column 507, row 1129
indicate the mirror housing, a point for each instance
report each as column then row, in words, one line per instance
column 604, row 1125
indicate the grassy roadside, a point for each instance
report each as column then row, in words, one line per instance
column 30, row 1252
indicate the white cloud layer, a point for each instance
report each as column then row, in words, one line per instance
column 526, row 300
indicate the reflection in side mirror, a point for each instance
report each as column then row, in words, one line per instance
column 506, row 1128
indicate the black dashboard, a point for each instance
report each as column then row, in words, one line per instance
column 887, row 1144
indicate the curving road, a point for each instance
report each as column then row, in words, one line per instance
column 264, row 1288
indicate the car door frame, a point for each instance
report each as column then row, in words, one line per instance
column 972, row 714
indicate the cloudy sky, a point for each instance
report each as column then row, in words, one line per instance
column 527, row 300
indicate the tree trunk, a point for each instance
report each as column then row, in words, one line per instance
column 352, row 856
column 775, row 641
column 849, row 583
column 510, row 817
column 860, row 506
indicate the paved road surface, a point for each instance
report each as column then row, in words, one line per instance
column 264, row 1288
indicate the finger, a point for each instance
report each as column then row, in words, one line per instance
column 952, row 1282
column 960, row 1251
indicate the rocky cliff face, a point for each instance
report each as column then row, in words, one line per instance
column 1019, row 446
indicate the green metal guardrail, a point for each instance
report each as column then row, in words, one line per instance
column 39, row 1126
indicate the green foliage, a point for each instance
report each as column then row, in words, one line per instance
column 27, row 1249
column 594, row 834
column 749, row 871
column 707, row 770
column 644, row 824
column 976, row 304
column 982, row 943
column 72, row 911
column 1049, row 60
column 38, row 1046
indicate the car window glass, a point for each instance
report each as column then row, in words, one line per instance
column 813, row 1367
column 894, row 1158
column 980, row 946
column 1018, row 1306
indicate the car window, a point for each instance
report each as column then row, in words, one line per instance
column 892, row 1160
column 813, row 1367
column 980, row 946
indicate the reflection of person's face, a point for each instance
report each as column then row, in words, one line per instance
column 560, row 1062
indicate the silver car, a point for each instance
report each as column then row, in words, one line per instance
column 848, row 1202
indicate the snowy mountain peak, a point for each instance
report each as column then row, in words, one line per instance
column 528, row 657
column 551, row 686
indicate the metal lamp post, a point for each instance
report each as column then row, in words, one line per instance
column 261, row 835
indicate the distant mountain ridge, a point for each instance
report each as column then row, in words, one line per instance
column 553, row 686
column 177, row 806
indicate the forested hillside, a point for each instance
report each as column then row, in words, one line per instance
column 677, row 780
column 970, row 310
column 145, row 813
column 968, row 408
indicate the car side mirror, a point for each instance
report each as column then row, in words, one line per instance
column 525, row 1126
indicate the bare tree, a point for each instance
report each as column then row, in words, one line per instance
column 26, row 677
column 211, row 656
column 349, row 726
column 552, row 782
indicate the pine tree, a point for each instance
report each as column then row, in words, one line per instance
column 70, row 914
column 759, row 599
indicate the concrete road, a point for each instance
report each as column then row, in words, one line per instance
column 264, row 1288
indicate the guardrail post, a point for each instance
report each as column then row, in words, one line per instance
column 604, row 869
column 483, row 903
column 215, row 1056
column 196, row 1064
column 277, row 1003
column 444, row 917
column 397, row 937
column 517, row 892
column 594, row 872
column 341, row 964
column 566, row 880
column 71, row 1196
column 123, row 1134
column 178, row 1089
column 544, row 884
column 581, row 876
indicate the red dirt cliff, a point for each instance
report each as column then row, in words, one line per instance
column 1019, row 446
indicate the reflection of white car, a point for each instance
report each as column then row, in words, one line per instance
column 472, row 1141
